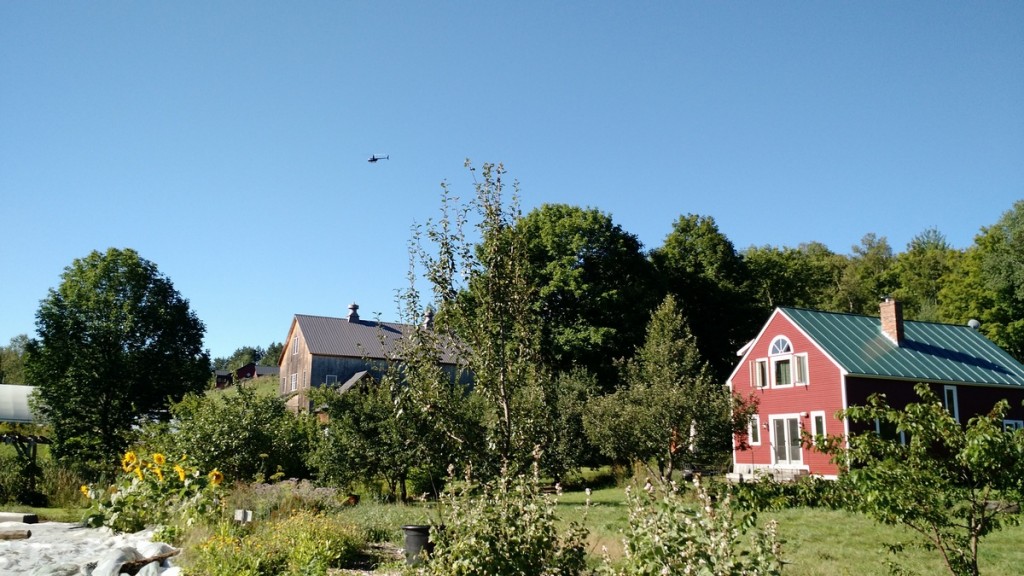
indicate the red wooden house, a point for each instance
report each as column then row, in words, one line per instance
column 805, row 366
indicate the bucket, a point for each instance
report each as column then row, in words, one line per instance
column 417, row 543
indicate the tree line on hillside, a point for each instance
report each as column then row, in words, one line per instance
column 583, row 346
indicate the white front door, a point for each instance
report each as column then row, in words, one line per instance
column 786, row 440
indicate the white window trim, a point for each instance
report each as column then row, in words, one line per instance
column 786, row 348
column 331, row 379
column 295, row 345
column 814, row 424
column 955, row 409
column 759, row 378
column 801, row 360
column 754, row 424
column 1012, row 425
column 775, row 360
column 772, row 418
column 295, row 378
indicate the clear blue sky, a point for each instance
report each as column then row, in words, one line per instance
column 227, row 141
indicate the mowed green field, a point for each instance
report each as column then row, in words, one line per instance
column 816, row 542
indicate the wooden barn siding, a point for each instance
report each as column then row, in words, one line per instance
column 296, row 363
column 823, row 392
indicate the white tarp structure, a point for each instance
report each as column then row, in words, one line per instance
column 14, row 404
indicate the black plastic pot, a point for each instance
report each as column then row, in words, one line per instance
column 417, row 543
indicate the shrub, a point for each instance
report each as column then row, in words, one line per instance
column 282, row 498
column 506, row 526
column 245, row 435
column 768, row 494
column 154, row 493
column 304, row 543
column 668, row 535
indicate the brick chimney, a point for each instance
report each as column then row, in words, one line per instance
column 353, row 312
column 892, row 320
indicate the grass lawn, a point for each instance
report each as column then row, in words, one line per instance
column 831, row 542
column 817, row 542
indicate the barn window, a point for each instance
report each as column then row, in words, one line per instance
column 295, row 380
column 754, row 430
column 1010, row 425
column 949, row 401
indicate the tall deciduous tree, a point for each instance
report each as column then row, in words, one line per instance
column 671, row 410
column 12, row 360
column 988, row 284
column 485, row 299
column 867, row 278
column 701, row 268
column 593, row 287
column 920, row 272
column 116, row 343
column 805, row 276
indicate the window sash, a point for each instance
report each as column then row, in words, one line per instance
column 786, row 440
column 754, row 430
column 760, row 373
column 783, row 372
column 949, row 401
column 818, row 423
column 800, row 369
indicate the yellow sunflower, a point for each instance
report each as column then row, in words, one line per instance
column 216, row 477
column 159, row 459
column 180, row 471
column 129, row 461
column 84, row 490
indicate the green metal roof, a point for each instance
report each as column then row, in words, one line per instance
column 929, row 351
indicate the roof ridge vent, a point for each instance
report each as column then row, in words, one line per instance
column 353, row 312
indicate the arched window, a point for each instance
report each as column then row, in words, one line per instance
column 780, row 345
column 787, row 368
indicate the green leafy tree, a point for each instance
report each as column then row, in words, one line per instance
column 485, row 305
column 592, row 282
column 701, row 268
column 365, row 440
column 671, row 411
column 989, row 283
column 566, row 447
column 245, row 435
column 272, row 356
column 921, row 271
column 804, row 277
column 12, row 360
column 868, row 277
column 240, row 357
column 951, row 484
column 116, row 344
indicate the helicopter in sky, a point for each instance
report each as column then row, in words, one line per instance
column 374, row 158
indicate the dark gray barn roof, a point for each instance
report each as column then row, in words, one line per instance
column 328, row 336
